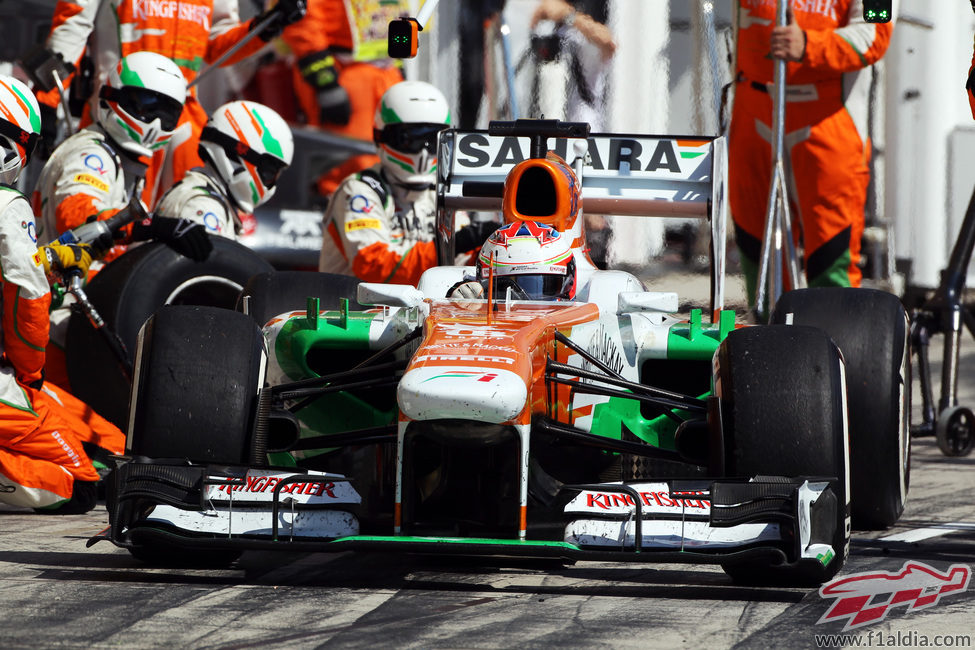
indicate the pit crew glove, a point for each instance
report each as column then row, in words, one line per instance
column 283, row 13
column 319, row 71
column 471, row 237
column 65, row 259
column 182, row 235
column 466, row 289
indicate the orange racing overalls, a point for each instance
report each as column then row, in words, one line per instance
column 827, row 147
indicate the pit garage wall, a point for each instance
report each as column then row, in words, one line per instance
column 931, row 169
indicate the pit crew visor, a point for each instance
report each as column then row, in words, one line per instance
column 541, row 286
column 268, row 167
column 145, row 105
column 409, row 138
column 19, row 136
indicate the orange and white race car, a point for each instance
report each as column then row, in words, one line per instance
column 528, row 404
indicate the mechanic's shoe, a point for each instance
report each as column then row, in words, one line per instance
column 83, row 498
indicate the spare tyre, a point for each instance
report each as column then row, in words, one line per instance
column 128, row 291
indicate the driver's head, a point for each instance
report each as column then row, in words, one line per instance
column 406, row 124
column 532, row 259
column 140, row 104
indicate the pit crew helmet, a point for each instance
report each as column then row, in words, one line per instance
column 248, row 145
column 140, row 104
column 405, row 128
column 533, row 259
column 20, row 127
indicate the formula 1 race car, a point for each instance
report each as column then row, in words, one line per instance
column 329, row 415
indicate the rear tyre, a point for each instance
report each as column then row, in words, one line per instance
column 199, row 372
column 871, row 329
column 780, row 392
column 278, row 292
column 128, row 291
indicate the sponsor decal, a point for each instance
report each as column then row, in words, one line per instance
column 72, row 454
column 654, row 498
column 31, row 230
column 211, row 221
column 363, row 224
column 88, row 179
column 360, row 204
column 603, row 347
column 95, row 163
column 866, row 598
column 476, row 150
column 463, row 357
column 262, row 484
column 38, row 260
column 464, row 374
column 143, row 10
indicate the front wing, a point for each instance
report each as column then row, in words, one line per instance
column 776, row 519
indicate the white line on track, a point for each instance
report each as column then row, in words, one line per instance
column 918, row 534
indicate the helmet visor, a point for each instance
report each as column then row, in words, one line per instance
column 539, row 286
column 146, row 105
column 268, row 167
column 410, row 137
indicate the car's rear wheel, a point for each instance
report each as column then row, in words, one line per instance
column 781, row 392
column 277, row 292
column 128, row 291
column 198, row 376
column 871, row 329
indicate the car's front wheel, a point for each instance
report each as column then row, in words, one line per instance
column 781, row 393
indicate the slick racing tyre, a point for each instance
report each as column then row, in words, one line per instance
column 780, row 391
column 198, row 375
column 871, row 329
column 129, row 290
column 277, row 292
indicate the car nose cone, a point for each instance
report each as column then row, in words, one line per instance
column 488, row 395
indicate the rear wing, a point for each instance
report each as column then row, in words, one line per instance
column 629, row 175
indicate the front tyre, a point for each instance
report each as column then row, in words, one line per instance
column 781, row 396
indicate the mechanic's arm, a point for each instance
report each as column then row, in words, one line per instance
column 857, row 45
column 227, row 30
column 72, row 23
column 26, row 294
column 357, row 219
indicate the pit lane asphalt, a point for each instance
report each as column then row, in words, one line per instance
column 56, row 593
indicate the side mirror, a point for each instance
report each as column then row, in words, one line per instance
column 388, row 295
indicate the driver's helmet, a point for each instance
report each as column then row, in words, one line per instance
column 531, row 258
column 248, row 145
column 20, row 127
column 140, row 104
column 405, row 128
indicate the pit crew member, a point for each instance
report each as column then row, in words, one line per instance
column 379, row 224
column 829, row 50
column 190, row 32
column 245, row 146
column 42, row 461
column 95, row 172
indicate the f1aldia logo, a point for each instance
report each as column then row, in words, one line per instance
column 865, row 598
